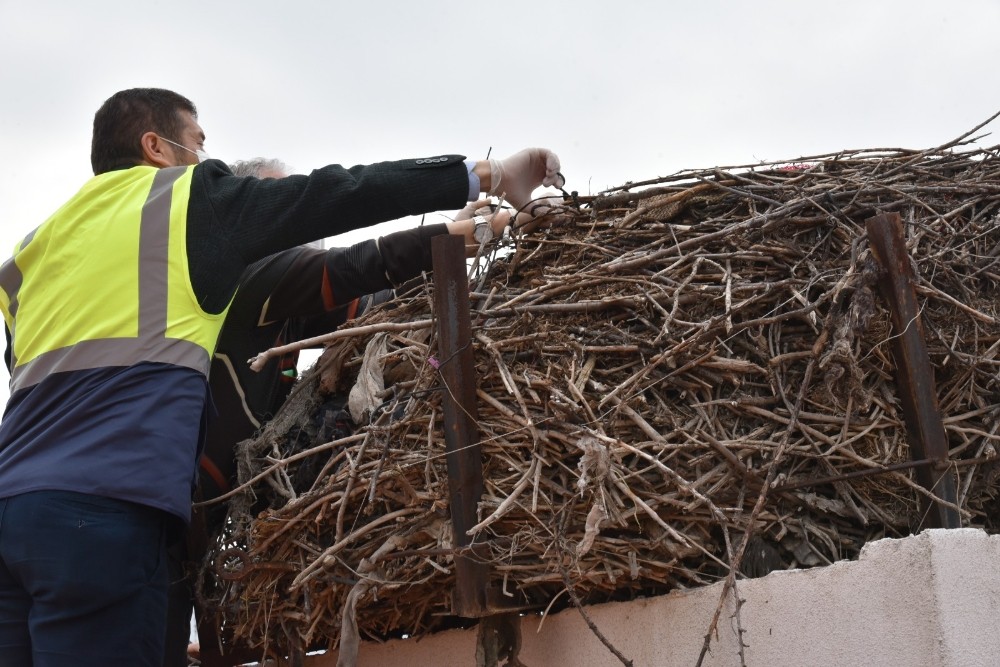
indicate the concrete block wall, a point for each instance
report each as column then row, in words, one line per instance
column 929, row 600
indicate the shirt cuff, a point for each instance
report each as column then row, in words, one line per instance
column 473, row 180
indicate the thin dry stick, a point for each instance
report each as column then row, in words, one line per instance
column 578, row 604
column 258, row 362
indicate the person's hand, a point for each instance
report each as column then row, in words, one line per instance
column 517, row 176
column 481, row 207
column 541, row 212
column 498, row 219
column 463, row 224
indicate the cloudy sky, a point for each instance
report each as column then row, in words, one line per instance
column 622, row 91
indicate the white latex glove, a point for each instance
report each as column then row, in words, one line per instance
column 517, row 176
column 473, row 208
column 498, row 220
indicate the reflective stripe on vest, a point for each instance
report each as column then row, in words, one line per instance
column 10, row 280
column 151, row 342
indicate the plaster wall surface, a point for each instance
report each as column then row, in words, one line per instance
column 929, row 600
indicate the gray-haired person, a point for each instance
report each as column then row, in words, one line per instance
column 296, row 294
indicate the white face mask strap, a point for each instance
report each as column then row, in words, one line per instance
column 200, row 154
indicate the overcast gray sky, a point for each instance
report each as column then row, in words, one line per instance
column 622, row 91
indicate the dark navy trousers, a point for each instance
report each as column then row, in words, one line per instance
column 83, row 581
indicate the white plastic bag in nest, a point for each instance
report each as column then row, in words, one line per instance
column 364, row 396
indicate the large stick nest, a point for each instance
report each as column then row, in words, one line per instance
column 676, row 353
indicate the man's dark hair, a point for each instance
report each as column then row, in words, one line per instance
column 122, row 120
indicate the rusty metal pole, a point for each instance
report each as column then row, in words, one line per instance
column 914, row 374
column 197, row 546
column 458, row 373
column 208, row 631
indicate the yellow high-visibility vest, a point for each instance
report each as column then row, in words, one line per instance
column 104, row 282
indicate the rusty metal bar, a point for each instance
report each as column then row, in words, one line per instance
column 914, row 375
column 465, row 463
column 208, row 631
column 197, row 545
